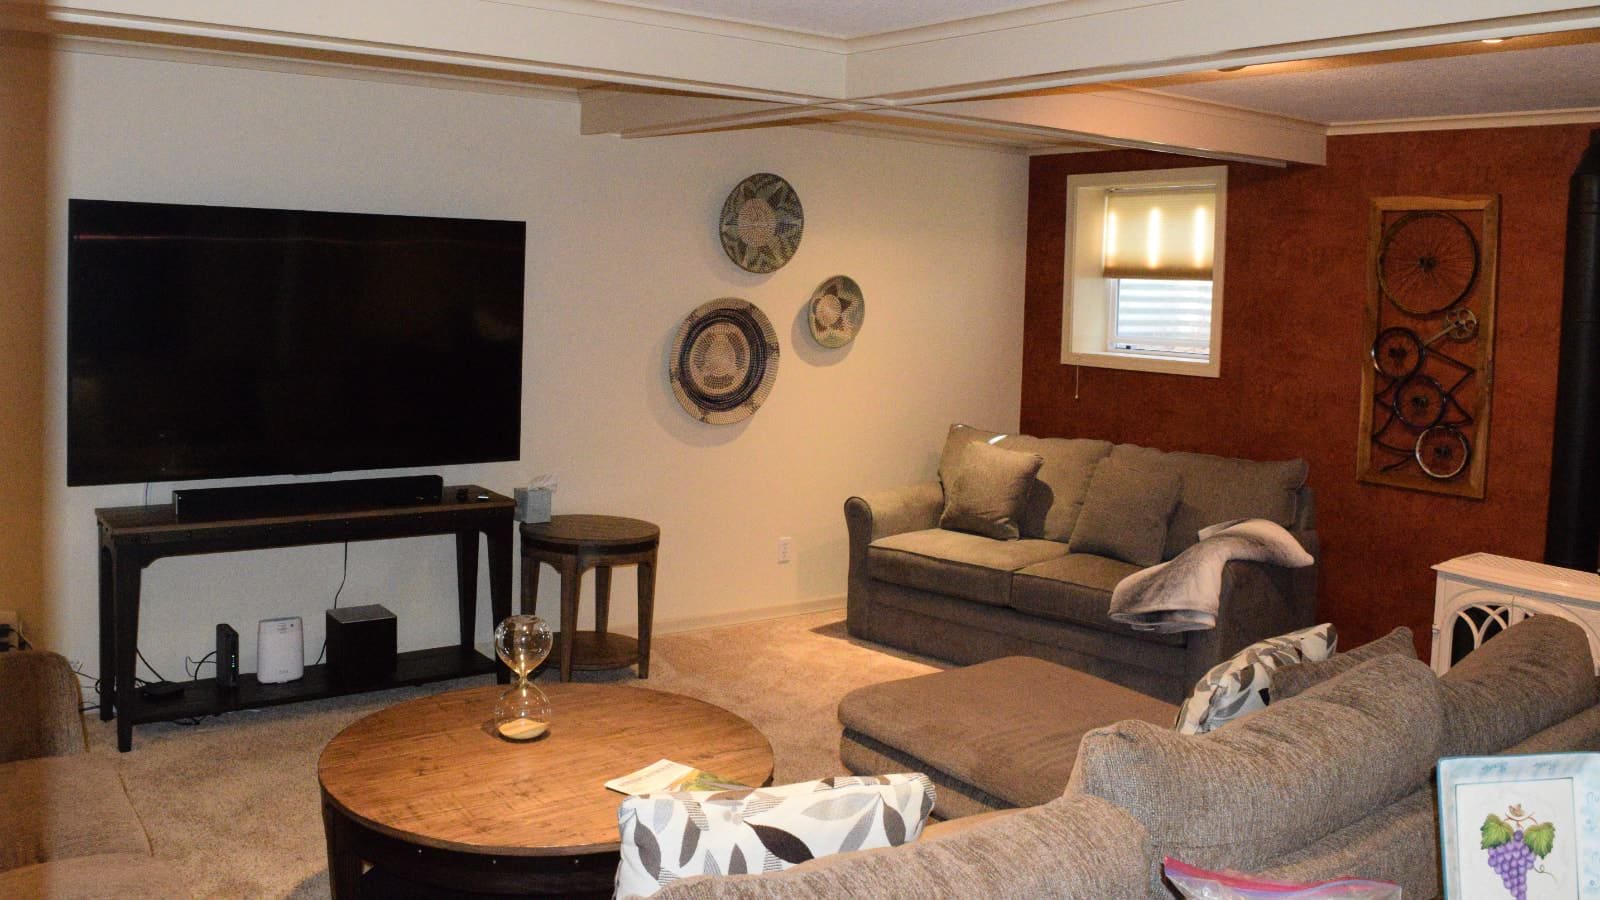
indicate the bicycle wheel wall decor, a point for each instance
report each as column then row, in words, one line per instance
column 1429, row 366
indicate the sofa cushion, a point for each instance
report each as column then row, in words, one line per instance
column 1058, row 489
column 954, row 563
column 666, row 837
column 1525, row 679
column 1243, row 683
column 1008, row 726
column 1392, row 844
column 1293, row 679
column 1077, row 588
column 64, row 806
column 1219, row 489
column 986, row 492
column 1278, row 780
column 1126, row 511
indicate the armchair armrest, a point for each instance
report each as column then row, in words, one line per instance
column 39, row 692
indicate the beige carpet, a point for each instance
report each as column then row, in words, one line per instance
column 233, row 801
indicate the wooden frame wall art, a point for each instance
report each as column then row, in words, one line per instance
column 1429, row 366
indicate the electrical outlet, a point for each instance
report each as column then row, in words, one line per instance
column 785, row 550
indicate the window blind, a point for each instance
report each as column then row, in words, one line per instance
column 1169, row 316
column 1160, row 233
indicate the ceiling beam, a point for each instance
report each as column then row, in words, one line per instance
column 1132, row 118
column 1083, row 41
column 582, row 39
column 635, row 114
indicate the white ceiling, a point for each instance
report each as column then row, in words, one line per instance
column 1021, row 75
column 840, row 18
column 1480, row 84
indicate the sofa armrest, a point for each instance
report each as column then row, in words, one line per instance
column 880, row 514
column 1075, row 846
column 894, row 511
column 41, row 698
column 1258, row 601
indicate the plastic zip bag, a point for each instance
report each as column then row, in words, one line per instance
column 1200, row 884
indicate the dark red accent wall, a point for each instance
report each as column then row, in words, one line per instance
column 1293, row 347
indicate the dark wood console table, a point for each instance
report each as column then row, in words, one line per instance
column 132, row 537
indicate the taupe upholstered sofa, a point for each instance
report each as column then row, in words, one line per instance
column 67, row 829
column 1335, row 781
column 967, row 598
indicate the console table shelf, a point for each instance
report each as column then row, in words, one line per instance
column 133, row 537
column 202, row 697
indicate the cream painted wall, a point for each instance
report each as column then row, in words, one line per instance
column 621, row 246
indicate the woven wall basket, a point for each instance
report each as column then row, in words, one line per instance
column 761, row 223
column 837, row 311
column 724, row 361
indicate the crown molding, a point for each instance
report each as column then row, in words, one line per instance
column 558, row 38
column 644, row 13
column 439, row 77
column 1484, row 120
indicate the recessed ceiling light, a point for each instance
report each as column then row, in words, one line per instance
column 1494, row 40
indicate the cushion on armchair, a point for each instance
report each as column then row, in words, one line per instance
column 987, row 489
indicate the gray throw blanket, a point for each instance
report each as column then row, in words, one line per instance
column 1182, row 593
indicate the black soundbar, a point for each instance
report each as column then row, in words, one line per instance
column 257, row 501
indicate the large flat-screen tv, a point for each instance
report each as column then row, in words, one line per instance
column 210, row 342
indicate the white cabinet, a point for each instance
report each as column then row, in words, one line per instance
column 1480, row 594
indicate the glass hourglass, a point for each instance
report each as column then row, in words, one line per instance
column 523, row 712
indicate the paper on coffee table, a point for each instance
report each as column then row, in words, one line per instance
column 664, row 775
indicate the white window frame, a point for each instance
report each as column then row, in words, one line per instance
column 1086, row 324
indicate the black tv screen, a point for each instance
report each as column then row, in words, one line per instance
column 208, row 342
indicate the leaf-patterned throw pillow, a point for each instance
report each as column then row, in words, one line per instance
column 1242, row 683
column 670, row 836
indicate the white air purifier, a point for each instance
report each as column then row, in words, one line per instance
column 280, row 650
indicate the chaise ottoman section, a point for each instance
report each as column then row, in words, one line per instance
column 999, row 734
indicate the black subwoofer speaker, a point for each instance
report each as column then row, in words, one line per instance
column 361, row 644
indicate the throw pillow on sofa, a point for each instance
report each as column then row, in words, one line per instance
column 1126, row 511
column 985, row 493
column 1294, row 679
column 670, row 836
column 1242, row 683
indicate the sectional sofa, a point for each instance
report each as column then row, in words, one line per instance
column 1334, row 781
column 1083, row 525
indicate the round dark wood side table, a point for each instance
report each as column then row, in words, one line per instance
column 572, row 545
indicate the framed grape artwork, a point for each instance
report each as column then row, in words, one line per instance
column 1428, row 360
column 1520, row 827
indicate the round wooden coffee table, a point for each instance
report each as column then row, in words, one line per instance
column 431, row 797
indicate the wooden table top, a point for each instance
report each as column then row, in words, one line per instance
column 432, row 771
column 591, row 531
